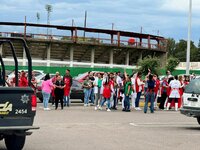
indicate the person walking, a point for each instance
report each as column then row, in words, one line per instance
column 59, row 92
column 174, row 93
column 106, row 95
column 149, row 95
column 67, row 79
column 46, row 90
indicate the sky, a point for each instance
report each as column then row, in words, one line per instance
column 168, row 18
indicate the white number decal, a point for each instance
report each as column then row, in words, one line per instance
column 20, row 111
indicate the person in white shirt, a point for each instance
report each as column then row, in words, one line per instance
column 138, row 87
column 134, row 94
column 174, row 93
column 95, row 83
column 119, row 86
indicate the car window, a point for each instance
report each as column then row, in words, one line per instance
column 37, row 73
column 193, row 87
column 76, row 84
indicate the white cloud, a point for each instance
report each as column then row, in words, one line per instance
column 180, row 5
column 168, row 16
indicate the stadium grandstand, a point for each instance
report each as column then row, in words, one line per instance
column 121, row 50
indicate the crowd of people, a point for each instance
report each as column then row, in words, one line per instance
column 112, row 88
column 116, row 87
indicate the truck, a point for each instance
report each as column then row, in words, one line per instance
column 17, row 104
column 191, row 100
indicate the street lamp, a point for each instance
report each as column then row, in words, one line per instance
column 189, row 38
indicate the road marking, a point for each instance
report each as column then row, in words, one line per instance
column 133, row 124
column 168, row 124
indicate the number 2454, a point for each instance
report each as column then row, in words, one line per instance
column 21, row 111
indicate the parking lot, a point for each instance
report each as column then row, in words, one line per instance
column 82, row 128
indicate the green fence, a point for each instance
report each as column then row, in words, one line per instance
column 73, row 70
column 78, row 70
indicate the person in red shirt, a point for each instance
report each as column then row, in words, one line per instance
column 23, row 80
column 164, row 87
column 181, row 89
column 106, row 95
column 67, row 79
column 34, row 82
column 156, row 89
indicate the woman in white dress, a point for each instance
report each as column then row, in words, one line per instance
column 174, row 93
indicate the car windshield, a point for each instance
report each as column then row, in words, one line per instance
column 76, row 84
column 193, row 87
column 81, row 76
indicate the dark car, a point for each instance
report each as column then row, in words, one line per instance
column 76, row 91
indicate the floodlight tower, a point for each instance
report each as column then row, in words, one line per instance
column 49, row 9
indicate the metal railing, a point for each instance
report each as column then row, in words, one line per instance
column 88, row 40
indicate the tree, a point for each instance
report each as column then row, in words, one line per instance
column 149, row 63
column 172, row 63
column 198, row 49
column 171, row 47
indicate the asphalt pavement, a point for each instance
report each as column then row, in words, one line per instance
column 83, row 128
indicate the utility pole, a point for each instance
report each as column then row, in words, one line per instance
column 158, row 32
column 189, row 38
column 72, row 22
column 85, row 24
column 113, row 26
column 49, row 9
column 38, row 17
column 25, row 27
column 141, row 30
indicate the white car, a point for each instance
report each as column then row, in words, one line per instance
column 191, row 100
column 37, row 73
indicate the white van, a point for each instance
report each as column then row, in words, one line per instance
column 191, row 100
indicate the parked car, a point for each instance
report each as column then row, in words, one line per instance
column 76, row 91
column 82, row 77
column 191, row 100
column 37, row 73
column 41, row 77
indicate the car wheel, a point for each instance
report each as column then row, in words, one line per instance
column 15, row 142
column 198, row 120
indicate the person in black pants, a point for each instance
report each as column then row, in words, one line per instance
column 59, row 91
column 164, row 86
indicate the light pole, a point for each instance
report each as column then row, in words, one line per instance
column 189, row 38
column 38, row 20
column 49, row 9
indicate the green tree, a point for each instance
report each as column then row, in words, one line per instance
column 171, row 47
column 198, row 53
column 172, row 63
column 149, row 63
column 180, row 51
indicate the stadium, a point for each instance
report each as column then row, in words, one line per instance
column 114, row 50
